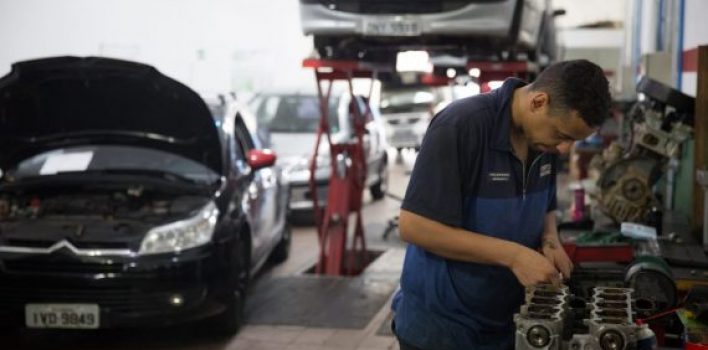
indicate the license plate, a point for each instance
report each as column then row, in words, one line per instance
column 392, row 28
column 71, row 316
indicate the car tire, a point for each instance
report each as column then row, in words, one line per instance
column 282, row 250
column 378, row 190
column 229, row 322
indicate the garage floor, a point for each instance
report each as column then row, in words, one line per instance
column 287, row 309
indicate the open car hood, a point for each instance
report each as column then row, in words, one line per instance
column 64, row 101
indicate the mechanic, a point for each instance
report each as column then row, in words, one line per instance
column 479, row 211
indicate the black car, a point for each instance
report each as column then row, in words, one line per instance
column 125, row 203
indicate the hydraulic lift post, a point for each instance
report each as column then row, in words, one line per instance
column 348, row 171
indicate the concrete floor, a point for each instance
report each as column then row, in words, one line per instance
column 254, row 337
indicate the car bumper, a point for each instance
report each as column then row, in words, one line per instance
column 406, row 130
column 130, row 292
column 484, row 19
column 301, row 196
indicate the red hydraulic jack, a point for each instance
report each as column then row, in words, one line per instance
column 348, row 175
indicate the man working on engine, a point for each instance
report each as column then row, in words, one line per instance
column 481, row 204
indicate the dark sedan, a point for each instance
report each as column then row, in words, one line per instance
column 124, row 203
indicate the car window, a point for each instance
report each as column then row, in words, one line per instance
column 243, row 137
column 294, row 113
column 110, row 158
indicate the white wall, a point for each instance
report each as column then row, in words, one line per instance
column 695, row 34
column 211, row 45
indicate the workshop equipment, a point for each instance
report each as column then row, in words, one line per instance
column 659, row 124
column 702, row 179
column 651, row 279
column 348, row 162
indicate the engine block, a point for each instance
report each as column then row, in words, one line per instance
column 548, row 320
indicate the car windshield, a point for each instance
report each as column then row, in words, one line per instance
column 294, row 113
column 402, row 101
column 111, row 158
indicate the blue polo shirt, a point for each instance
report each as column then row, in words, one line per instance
column 467, row 176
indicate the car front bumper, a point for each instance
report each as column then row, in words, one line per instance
column 130, row 292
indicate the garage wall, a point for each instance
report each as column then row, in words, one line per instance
column 211, row 45
column 695, row 34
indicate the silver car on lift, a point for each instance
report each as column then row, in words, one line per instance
column 372, row 28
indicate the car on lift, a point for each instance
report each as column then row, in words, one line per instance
column 376, row 29
column 292, row 120
column 125, row 203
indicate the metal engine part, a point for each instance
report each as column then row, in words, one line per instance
column 626, row 189
column 660, row 124
column 542, row 321
column 653, row 283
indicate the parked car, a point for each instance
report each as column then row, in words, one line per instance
column 407, row 111
column 124, row 203
column 292, row 120
column 372, row 28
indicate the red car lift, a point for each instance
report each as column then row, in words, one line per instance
column 348, row 171
column 488, row 71
column 492, row 70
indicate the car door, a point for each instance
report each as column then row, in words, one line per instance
column 373, row 140
column 254, row 199
column 271, row 189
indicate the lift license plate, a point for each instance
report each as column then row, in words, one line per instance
column 391, row 28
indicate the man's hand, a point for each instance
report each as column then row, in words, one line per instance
column 531, row 268
column 554, row 252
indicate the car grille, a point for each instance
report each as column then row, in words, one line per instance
column 78, row 244
column 74, row 267
column 397, row 6
column 120, row 300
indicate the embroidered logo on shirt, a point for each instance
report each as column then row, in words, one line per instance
column 499, row 176
column 545, row 170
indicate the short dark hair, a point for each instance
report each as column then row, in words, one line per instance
column 578, row 85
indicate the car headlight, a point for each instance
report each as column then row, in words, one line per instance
column 181, row 235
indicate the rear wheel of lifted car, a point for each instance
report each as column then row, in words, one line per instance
column 282, row 250
column 230, row 321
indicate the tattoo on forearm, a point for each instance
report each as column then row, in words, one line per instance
column 547, row 243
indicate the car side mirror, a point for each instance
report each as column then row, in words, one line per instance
column 559, row 12
column 261, row 158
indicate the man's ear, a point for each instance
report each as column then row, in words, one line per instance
column 539, row 101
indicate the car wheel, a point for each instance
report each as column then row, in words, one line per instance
column 282, row 250
column 378, row 190
column 230, row 320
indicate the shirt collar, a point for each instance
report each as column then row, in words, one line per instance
column 502, row 124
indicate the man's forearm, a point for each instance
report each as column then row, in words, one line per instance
column 550, row 230
column 455, row 243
